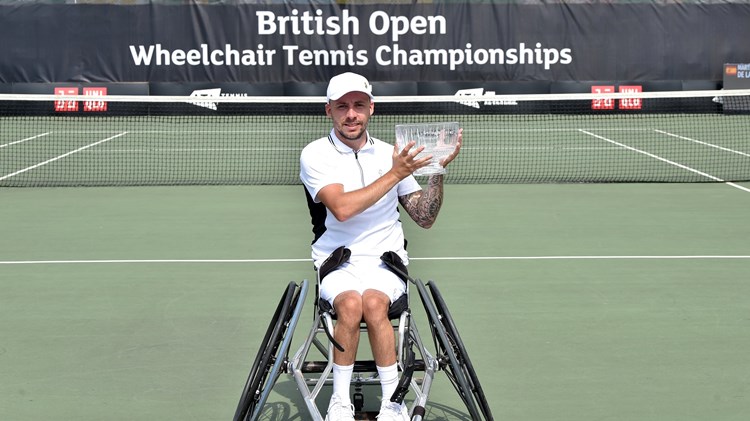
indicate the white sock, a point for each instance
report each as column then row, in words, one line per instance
column 388, row 380
column 342, row 378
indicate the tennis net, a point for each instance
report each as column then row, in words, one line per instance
column 685, row 136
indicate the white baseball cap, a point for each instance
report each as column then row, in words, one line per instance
column 344, row 83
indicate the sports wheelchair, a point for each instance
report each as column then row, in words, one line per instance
column 417, row 365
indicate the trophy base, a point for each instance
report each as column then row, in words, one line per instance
column 434, row 169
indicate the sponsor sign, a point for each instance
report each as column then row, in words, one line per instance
column 206, row 93
column 72, row 105
column 97, row 105
column 476, row 95
column 630, row 103
column 603, row 103
column 66, row 105
column 737, row 76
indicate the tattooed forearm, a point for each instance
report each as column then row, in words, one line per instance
column 423, row 206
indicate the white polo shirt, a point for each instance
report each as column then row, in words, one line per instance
column 376, row 230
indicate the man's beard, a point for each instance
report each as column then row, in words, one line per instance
column 357, row 136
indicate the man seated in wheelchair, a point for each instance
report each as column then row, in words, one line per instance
column 354, row 184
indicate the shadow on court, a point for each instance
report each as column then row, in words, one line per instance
column 291, row 407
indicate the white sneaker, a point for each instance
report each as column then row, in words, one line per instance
column 339, row 411
column 393, row 411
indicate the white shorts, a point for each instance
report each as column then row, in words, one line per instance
column 359, row 276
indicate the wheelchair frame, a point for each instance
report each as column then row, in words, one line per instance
column 450, row 357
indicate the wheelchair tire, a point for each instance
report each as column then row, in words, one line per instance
column 462, row 355
column 252, row 398
column 445, row 352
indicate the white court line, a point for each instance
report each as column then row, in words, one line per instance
column 283, row 149
column 177, row 133
column 676, row 164
column 565, row 129
column 540, row 148
column 23, row 140
column 308, row 260
column 61, row 156
column 703, row 143
column 147, row 149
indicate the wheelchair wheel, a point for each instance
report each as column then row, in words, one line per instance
column 451, row 353
column 264, row 370
column 455, row 341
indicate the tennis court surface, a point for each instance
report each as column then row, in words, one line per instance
column 576, row 301
column 589, row 302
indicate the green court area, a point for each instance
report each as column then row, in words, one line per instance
column 575, row 301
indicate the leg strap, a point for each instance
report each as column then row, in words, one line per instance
column 339, row 256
